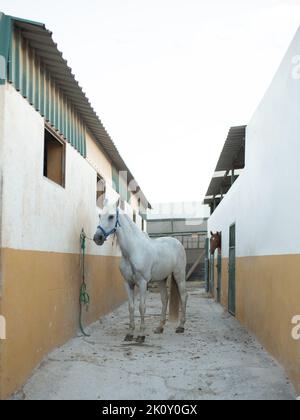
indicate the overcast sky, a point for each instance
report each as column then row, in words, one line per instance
column 169, row 77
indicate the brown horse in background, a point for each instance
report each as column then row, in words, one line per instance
column 215, row 242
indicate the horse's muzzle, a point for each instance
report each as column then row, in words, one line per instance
column 99, row 239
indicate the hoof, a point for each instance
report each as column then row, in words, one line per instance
column 159, row 330
column 180, row 330
column 129, row 337
column 141, row 339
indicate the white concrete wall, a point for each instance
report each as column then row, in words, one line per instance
column 2, row 91
column 2, row 96
column 264, row 202
column 139, row 221
column 97, row 158
column 129, row 210
column 134, row 202
column 38, row 214
column 134, row 205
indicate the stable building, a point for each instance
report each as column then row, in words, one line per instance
column 255, row 206
column 192, row 233
column 57, row 164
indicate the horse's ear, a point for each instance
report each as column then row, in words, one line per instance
column 211, row 233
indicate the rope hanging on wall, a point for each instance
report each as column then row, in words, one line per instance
column 84, row 298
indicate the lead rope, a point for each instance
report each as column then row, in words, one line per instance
column 84, row 298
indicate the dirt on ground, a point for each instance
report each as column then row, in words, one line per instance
column 216, row 359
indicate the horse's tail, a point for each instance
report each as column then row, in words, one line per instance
column 174, row 300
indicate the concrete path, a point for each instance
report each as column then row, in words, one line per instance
column 215, row 359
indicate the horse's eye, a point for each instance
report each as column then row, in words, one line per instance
column 111, row 217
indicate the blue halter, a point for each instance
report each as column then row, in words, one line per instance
column 111, row 232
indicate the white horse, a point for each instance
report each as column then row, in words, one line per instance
column 145, row 259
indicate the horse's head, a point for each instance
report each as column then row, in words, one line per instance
column 108, row 223
column 215, row 242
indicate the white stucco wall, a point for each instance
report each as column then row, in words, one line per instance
column 129, row 210
column 134, row 202
column 97, row 158
column 2, row 91
column 2, row 95
column 135, row 205
column 264, row 202
column 139, row 221
column 38, row 214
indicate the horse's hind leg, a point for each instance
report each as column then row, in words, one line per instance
column 181, row 283
column 164, row 298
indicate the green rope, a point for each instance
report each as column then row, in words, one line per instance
column 84, row 298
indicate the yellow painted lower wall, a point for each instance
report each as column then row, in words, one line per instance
column 40, row 301
column 215, row 288
column 224, row 283
column 267, row 298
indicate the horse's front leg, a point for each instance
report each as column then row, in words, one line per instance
column 130, row 292
column 143, row 291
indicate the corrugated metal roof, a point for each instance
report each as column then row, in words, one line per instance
column 220, row 185
column 233, row 153
column 5, row 33
column 41, row 39
column 32, row 78
column 232, row 158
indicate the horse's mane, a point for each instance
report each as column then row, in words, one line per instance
column 135, row 228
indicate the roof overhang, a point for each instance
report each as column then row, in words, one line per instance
column 220, row 185
column 229, row 166
column 40, row 38
column 233, row 153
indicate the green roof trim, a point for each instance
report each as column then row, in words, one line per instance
column 30, row 22
column 33, row 78
column 6, row 24
column 5, row 41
